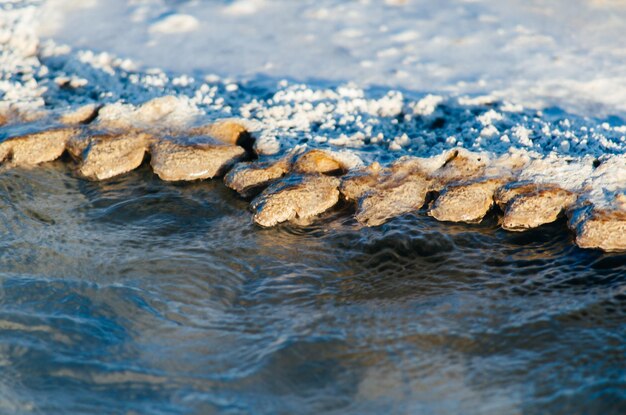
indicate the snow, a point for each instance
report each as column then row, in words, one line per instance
column 539, row 53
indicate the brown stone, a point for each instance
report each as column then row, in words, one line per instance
column 535, row 208
column 461, row 165
column 227, row 131
column 465, row 202
column 602, row 229
column 295, row 197
column 356, row 184
column 393, row 198
column 109, row 155
column 81, row 115
column 35, row 148
column 248, row 179
column 175, row 161
column 318, row 161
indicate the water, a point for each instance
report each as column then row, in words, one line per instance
column 141, row 297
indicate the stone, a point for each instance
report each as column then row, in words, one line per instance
column 296, row 197
column 356, row 184
column 383, row 193
column 466, row 202
column 506, row 193
column 461, row 165
column 82, row 115
column 393, row 198
column 173, row 161
column 249, row 178
column 600, row 228
column 318, row 161
column 227, row 131
column 109, row 155
column 539, row 206
column 36, row 148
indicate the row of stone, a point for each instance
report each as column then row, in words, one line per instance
column 457, row 186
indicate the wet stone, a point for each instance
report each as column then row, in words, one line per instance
column 393, row 198
column 358, row 183
column 227, row 131
column 318, row 161
column 462, row 165
column 465, row 202
column 296, row 197
column 173, row 161
column 601, row 229
column 537, row 207
column 36, row 148
column 250, row 178
column 109, row 155
column 81, row 115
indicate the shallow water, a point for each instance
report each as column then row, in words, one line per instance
column 138, row 296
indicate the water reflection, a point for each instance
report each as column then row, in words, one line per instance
column 138, row 295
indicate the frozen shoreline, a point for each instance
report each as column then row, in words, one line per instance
column 42, row 80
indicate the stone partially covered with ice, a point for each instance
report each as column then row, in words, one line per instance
column 249, row 178
column 534, row 206
column 393, row 198
column 600, row 228
column 109, row 155
column 466, row 202
column 35, row 148
column 174, row 161
column 297, row 197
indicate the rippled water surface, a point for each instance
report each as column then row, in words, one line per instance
column 138, row 296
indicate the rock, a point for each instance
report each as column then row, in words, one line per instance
column 175, row 161
column 535, row 207
column 82, row 115
column 109, row 155
column 35, row 148
column 358, row 183
column 227, row 131
column 393, row 198
column 296, row 197
column 248, row 179
column 506, row 193
column 461, row 165
column 318, row 161
column 383, row 193
column 466, row 202
column 602, row 229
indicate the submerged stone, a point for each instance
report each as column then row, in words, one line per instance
column 248, row 179
column 465, row 202
column 296, row 197
column 109, row 155
column 35, row 148
column 175, row 161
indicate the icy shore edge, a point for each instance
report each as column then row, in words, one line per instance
column 388, row 152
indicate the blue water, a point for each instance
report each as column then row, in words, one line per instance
column 135, row 296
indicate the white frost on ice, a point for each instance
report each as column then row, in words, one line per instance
column 174, row 23
column 543, row 53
